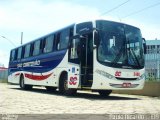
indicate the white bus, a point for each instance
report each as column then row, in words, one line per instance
column 97, row 55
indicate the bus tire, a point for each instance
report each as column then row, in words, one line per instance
column 50, row 89
column 23, row 86
column 63, row 86
column 104, row 93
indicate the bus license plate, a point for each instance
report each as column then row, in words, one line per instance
column 126, row 85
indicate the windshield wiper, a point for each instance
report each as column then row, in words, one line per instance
column 134, row 57
column 118, row 56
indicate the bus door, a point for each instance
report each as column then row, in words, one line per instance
column 81, row 54
column 74, row 64
column 86, row 60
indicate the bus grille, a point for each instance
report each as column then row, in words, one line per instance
column 118, row 78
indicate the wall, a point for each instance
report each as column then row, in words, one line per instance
column 4, row 75
column 150, row 89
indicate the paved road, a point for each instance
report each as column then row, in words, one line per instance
column 13, row 100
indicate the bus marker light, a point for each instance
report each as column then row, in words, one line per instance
column 136, row 73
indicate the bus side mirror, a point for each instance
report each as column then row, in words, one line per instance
column 96, row 39
column 144, row 46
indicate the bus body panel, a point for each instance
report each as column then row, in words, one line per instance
column 105, row 77
column 73, row 75
column 46, row 72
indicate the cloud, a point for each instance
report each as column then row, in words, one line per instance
column 35, row 14
column 36, row 18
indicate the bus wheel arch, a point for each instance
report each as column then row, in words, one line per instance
column 63, row 84
column 22, row 83
column 104, row 93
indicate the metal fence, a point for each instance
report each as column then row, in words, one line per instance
column 3, row 75
column 153, row 70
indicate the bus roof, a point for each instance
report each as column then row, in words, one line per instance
column 71, row 26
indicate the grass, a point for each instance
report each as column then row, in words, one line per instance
column 3, row 81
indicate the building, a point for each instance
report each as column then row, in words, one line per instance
column 152, row 59
column 3, row 68
column 3, row 74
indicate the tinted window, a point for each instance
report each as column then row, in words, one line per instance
column 19, row 53
column 64, row 39
column 36, row 49
column 12, row 55
column 49, row 44
column 27, row 50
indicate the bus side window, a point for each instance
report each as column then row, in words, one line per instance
column 49, row 44
column 13, row 52
column 27, row 51
column 74, row 51
column 36, row 48
column 64, row 39
column 19, row 53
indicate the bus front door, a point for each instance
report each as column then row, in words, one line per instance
column 81, row 56
column 86, row 61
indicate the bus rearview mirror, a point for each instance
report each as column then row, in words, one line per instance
column 144, row 45
column 96, row 40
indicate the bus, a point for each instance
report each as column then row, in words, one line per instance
column 98, row 55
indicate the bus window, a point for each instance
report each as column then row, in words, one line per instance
column 19, row 53
column 36, row 49
column 49, row 44
column 12, row 55
column 64, row 39
column 27, row 51
column 74, row 51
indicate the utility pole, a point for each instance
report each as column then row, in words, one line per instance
column 8, row 40
column 21, row 38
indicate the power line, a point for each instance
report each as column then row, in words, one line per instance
column 136, row 12
column 115, row 7
column 8, row 40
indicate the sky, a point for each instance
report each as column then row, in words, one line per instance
column 36, row 18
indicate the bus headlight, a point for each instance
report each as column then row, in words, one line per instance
column 141, row 77
column 109, row 76
column 105, row 74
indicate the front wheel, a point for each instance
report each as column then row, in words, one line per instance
column 23, row 85
column 63, row 86
column 104, row 92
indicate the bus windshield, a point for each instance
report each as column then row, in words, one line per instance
column 120, row 45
